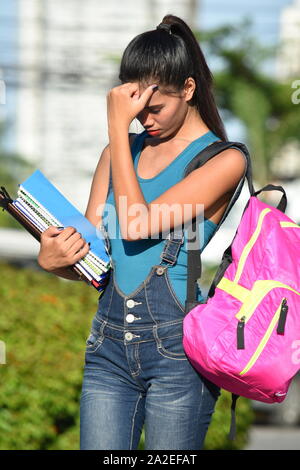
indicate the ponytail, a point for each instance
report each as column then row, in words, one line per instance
column 169, row 55
column 203, row 97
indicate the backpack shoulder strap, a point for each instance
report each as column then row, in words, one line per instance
column 211, row 151
column 194, row 255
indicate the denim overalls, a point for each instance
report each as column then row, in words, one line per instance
column 136, row 372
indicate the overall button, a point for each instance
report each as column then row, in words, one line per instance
column 130, row 318
column 130, row 303
column 160, row 270
column 128, row 336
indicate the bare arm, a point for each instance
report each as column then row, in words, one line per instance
column 202, row 190
column 99, row 188
column 205, row 190
column 100, row 183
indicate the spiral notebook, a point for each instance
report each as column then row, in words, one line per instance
column 40, row 205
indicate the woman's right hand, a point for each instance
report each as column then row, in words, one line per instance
column 61, row 248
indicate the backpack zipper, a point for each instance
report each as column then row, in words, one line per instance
column 282, row 317
column 259, row 291
column 266, row 337
column 241, row 333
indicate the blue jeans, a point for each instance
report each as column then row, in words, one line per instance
column 137, row 374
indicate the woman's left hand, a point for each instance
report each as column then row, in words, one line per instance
column 124, row 103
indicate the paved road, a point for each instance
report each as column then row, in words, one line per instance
column 274, row 438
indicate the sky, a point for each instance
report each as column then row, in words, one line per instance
column 265, row 15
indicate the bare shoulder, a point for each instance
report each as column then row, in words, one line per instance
column 230, row 164
column 231, row 158
column 105, row 155
column 100, row 185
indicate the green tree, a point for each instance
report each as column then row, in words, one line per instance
column 245, row 91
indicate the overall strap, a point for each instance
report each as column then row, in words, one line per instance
column 172, row 246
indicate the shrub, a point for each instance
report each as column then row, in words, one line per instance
column 44, row 322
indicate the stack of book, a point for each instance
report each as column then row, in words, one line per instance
column 40, row 205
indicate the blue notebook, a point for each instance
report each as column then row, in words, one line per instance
column 53, row 200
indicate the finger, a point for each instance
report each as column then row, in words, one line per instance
column 73, row 242
column 52, row 231
column 84, row 249
column 131, row 89
column 135, row 96
column 81, row 252
column 78, row 245
column 76, row 258
column 127, row 85
column 65, row 246
column 67, row 233
column 146, row 95
column 131, row 86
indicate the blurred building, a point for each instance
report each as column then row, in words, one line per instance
column 287, row 163
column 288, row 64
column 8, row 70
column 65, row 60
column 58, row 59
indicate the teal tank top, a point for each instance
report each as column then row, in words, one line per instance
column 133, row 260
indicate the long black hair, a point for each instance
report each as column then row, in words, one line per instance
column 168, row 55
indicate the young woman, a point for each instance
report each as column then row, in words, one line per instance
column 136, row 372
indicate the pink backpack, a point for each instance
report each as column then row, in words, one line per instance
column 246, row 337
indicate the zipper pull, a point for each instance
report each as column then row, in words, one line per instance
column 241, row 333
column 282, row 317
